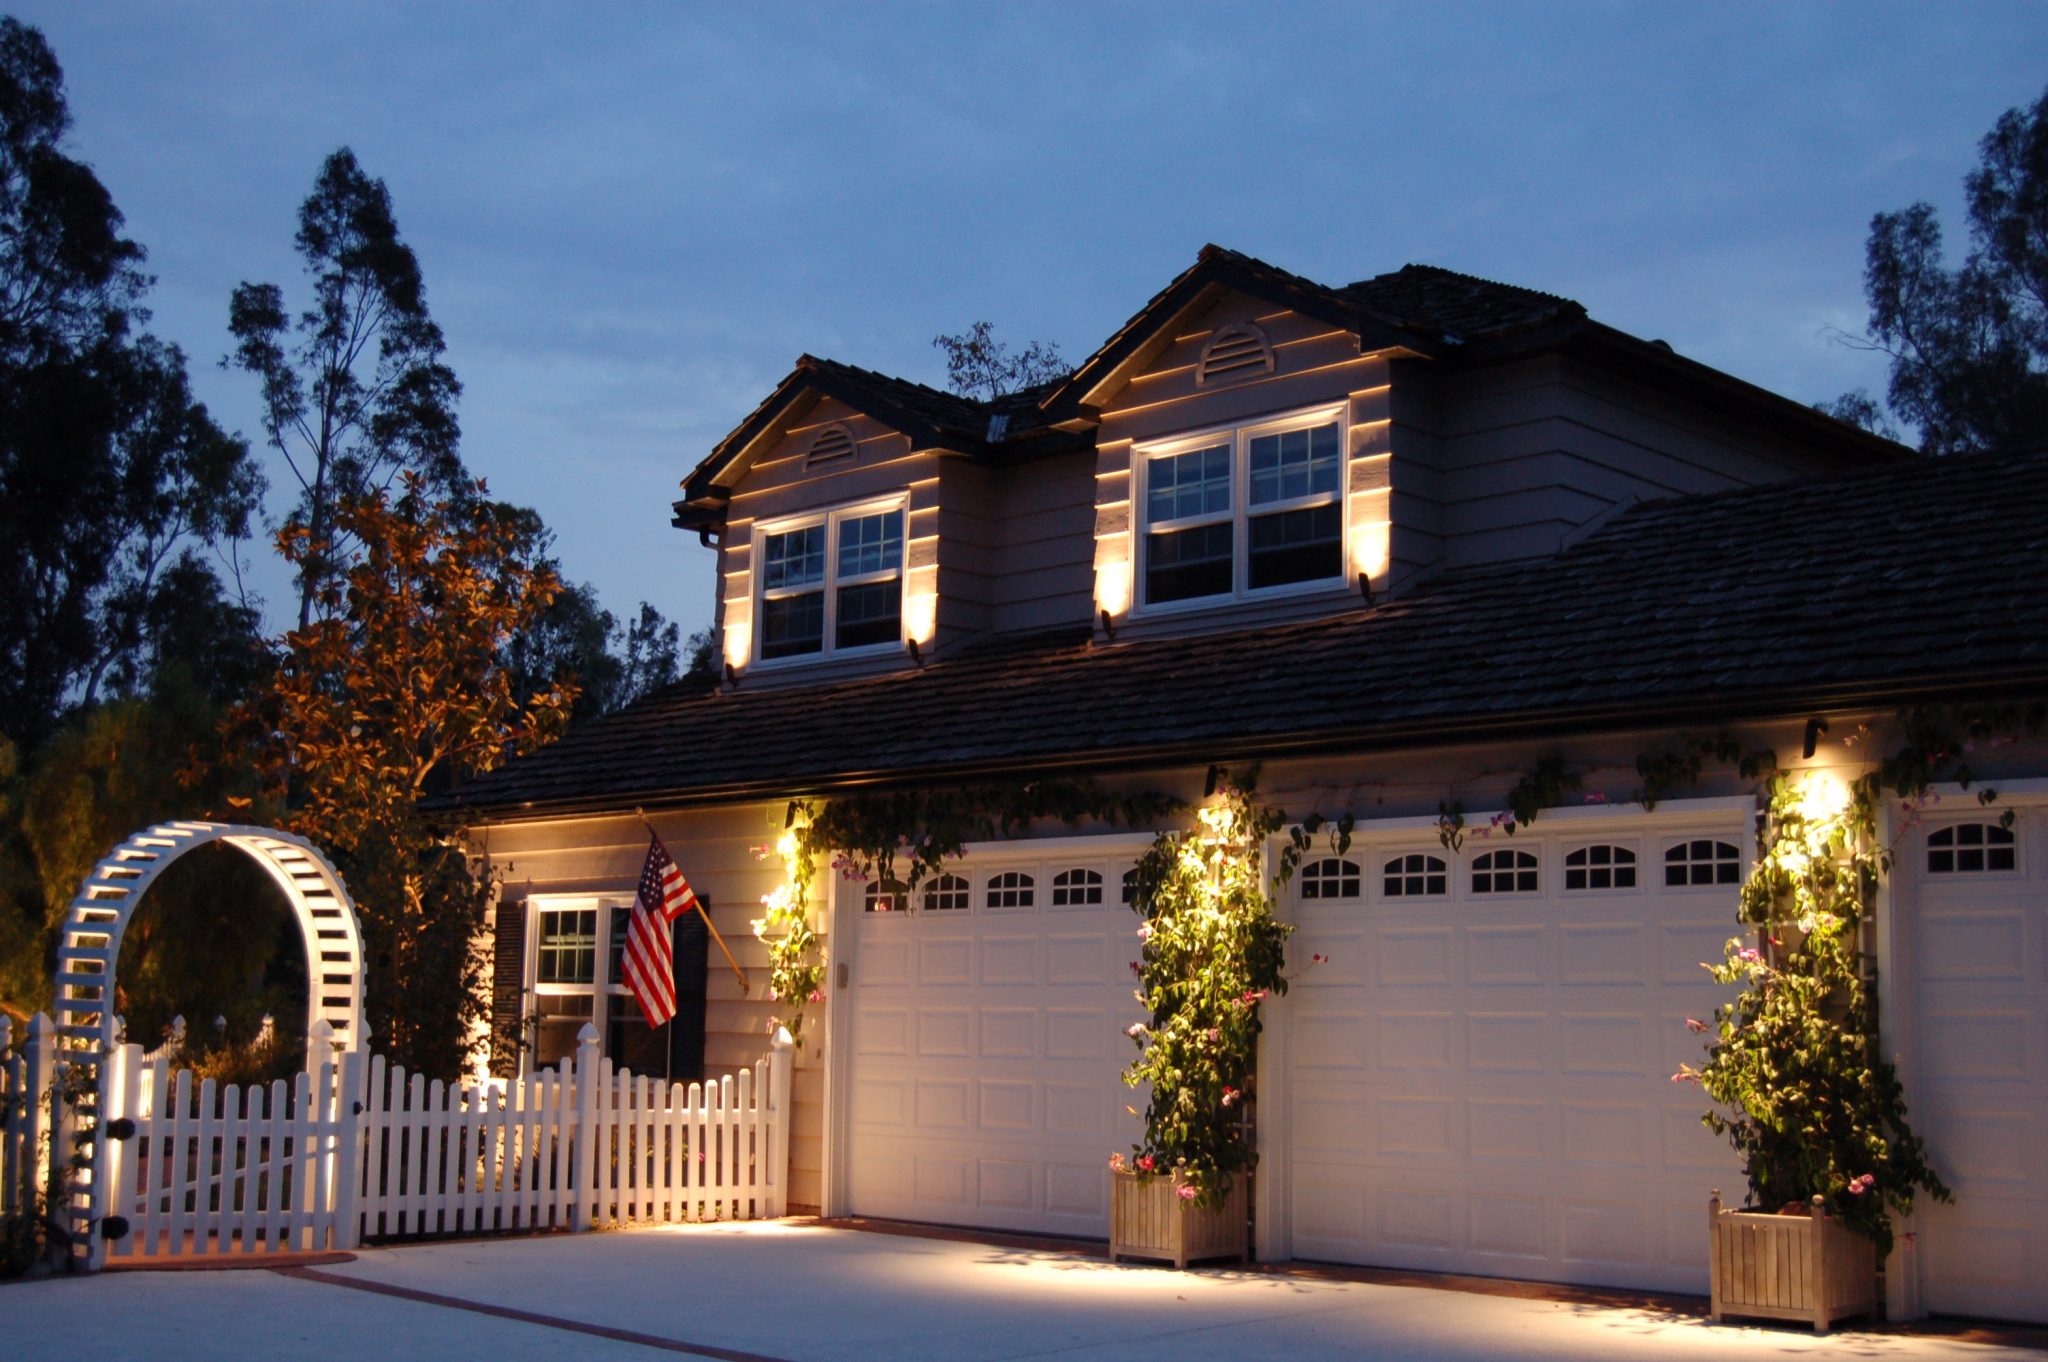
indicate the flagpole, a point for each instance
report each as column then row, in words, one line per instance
column 712, row 927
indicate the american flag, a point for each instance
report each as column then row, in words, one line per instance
column 649, row 965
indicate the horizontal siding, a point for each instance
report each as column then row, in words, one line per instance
column 1047, row 546
column 713, row 848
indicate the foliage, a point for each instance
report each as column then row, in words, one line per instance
column 614, row 662
column 109, row 469
column 353, row 387
column 862, row 835
column 398, row 690
column 1969, row 345
column 980, row 366
column 1801, row 1092
column 1212, row 952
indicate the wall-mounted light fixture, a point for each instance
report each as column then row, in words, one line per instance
column 1365, row 588
column 1108, row 626
column 1811, row 744
column 732, row 676
column 916, row 653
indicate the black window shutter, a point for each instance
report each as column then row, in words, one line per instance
column 686, row 1033
column 508, row 989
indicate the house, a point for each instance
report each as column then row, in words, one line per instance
column 1402, row 543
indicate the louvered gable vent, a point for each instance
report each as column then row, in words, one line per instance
column 1235, row 352
column 833, row 444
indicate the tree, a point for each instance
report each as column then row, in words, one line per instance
column 354, row 390
column 980, row 366
column 1968, row 346
column 108, row 468
column 396, row 691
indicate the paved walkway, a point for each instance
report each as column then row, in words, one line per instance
column 797, row 1292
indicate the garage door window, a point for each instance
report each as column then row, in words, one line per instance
column 947, row 894
column 1504, row 872
column 1011, row 889
column 1702, row 862
column 1416, row 876
column 1330, row 878
column 1971, row 849
column 1600, row 867
column 1077, row 889
column 883, row 896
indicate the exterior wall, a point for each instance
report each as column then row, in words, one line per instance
column 1503, row 463
column 714, row 850
column 1046, row 512
column 1314, row 364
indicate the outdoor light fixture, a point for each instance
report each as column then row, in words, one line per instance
column 1210, row 781
column 1108, row 626
column 1814, row 728
column 732, row 677
column 916, row 654
column 1365, row 588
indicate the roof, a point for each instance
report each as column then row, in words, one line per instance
column 1901, row 584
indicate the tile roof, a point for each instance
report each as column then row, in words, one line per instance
column 1907, row 581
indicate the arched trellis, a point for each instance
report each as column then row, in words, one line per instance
column 98, row 918
column 91, row 945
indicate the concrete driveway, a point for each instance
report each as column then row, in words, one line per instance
column 800, row 1292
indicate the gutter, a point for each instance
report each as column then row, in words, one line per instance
column 1827, row 702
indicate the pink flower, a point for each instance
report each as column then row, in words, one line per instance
column 1319, row 959
column 1145, row 931
column 700, row 1156
column 1144, row 1163
column 1748, row 955
column 1596, row 796
column 1253, row 997
column 817, row 995
column 1116, row 1163
column 1695, row 1025
column 1137, row 968
column 1858, row 1186
column 1230, row 1097
column 1685, row 1076
column 1135, row 1030
column 1213, row 1036
column 1185, row 1192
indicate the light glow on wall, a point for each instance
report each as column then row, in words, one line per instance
column 1370, row 550
column 1822, row 797
column 739, row 641
column 920, row 616
column 1113, row 587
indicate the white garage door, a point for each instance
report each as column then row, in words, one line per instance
column 987, row 1043
column 1480, row 1079
column 1977, row 946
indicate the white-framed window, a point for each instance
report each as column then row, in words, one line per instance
column 1077, row 888
column 1701, row 861
column 1601, row 866
column 830, row 582
column 884, row 896
column 1331, row 878
column 1244, row 511
column 573, row 966
column 1415, row 875
column 1504, row 872
column 947, row 894
column 1011, row 889
column 1972, row 849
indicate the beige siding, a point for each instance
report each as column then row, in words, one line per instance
column 714, row 849
column 1046, row 548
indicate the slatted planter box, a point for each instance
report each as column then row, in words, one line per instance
column 1148, row 1219
column 1799, row 1267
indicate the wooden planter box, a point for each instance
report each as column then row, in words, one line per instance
column 1148, row 1219
column 1802, row 1267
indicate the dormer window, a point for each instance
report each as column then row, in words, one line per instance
column 1248, row 512
column 832, row 582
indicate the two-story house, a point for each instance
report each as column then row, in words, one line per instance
column 1397, row 541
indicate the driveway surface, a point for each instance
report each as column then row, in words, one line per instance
column 800, row 1292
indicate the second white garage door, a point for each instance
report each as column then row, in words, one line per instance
column 987, row 1014
column 1480, row 1079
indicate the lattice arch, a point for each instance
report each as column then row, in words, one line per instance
column 98, row 918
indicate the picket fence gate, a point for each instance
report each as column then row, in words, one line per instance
column 354, row 1149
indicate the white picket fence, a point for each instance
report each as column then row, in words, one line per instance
column 27, row 1074
column 355, row 1149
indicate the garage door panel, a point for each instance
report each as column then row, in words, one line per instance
column 1008, row 1106
column 1074, row 1109
column 882, row 1030
column 1009, row 960
column 1006, row 1184
column 945, row 1032
column 885, row 963
column 1978, row 943
column 1077, row 958
column 944, row 1104
column 1079, row 1191
column 1508, row 1042
column 1009, row 1033
column 1506, row 955
column 1518, row 1114
column 1078, row 1032
column 881, row 1102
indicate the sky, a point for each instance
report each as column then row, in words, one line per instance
column 632, row 218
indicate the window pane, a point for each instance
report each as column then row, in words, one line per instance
column 1194, row 483
column 870, row 614
column 1183, row 564
column 1296, row 546
column 1294, row 463
column 873, row 543
column 794, row 559
column 614, row 972
column 568, row 946
column 793, row 624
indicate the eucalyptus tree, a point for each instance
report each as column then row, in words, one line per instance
column 354, row 389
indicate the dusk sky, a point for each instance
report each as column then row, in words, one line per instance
column 633, row 218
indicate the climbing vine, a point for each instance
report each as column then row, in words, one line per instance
column 1211, row 951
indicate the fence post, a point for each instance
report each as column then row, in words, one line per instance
column 39, row 1136
column 781, row 1064
column 350, row 1134
column 586, row 1142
